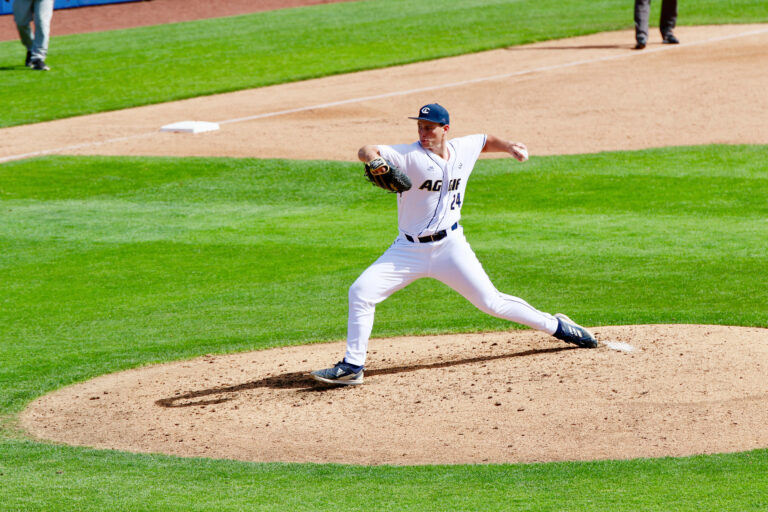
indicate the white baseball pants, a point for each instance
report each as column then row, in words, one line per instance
column 450, row 261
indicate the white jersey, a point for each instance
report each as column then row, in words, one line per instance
column 434, row 201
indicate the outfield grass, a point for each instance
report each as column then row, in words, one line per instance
column 112, row 262
column 87, row 480
column 125, row 68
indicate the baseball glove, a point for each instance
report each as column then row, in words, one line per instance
column 385, row 175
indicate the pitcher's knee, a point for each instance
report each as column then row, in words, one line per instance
column 490, row 303
column 501, row 307
column 355, row 292
column 357, row 299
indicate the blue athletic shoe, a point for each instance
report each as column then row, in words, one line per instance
column 570, row 332
column 343, row 374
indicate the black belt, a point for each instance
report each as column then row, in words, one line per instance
column 433, row 238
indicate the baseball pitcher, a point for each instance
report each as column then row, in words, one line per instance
column 430, row 178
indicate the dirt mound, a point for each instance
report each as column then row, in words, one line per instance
column 517, row 396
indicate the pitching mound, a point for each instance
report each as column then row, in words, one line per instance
column 517, row 396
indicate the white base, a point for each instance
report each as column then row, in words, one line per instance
column 190, row 127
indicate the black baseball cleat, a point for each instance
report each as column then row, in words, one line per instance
column 670, row 39
column 570, row 332
column 640, row 44
column 343, row 374
column 39, row 65
column 28, row 60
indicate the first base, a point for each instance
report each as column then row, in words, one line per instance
column 190, row 127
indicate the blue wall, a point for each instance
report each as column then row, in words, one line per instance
column 7, row 7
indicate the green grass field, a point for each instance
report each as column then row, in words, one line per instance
column 112, row 263
column 107, row 71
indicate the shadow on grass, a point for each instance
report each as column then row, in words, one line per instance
column 303, row 382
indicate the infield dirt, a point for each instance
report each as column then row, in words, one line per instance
column 515, row 396
column 582, row 95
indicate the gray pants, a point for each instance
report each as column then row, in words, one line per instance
column 643, row 12
column 41, row 11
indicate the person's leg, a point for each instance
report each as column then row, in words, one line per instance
column 43, row 14
column 22, row 16
column 642, row 14
column 399, row 266
column 457, row 266
column 668, row 21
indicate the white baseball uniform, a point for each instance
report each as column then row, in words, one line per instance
column 431, row 243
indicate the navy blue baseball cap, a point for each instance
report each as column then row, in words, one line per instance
column 434, row 113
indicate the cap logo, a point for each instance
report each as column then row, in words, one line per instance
column 434, row 113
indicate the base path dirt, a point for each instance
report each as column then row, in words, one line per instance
column 518, row 396
column 581, row 95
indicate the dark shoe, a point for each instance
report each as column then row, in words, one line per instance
column 39, row 65
column 670, row 39
column 640, row 44
column 28, row 60
column 569, row 332
column 343, row 374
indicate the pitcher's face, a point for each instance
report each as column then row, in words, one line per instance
column 432, row 135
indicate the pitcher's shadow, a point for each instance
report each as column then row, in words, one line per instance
column 304, row 383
